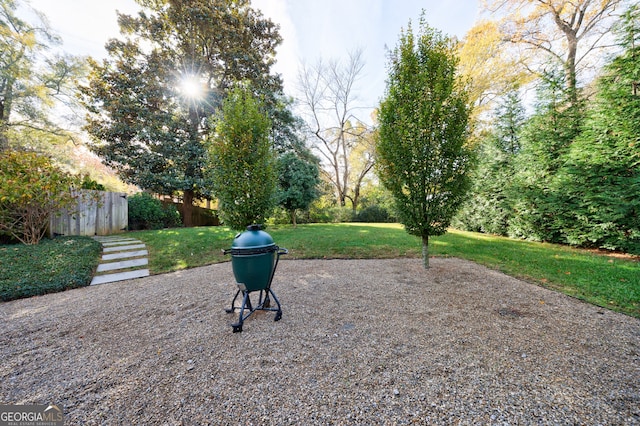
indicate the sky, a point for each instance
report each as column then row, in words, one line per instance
column 311, row 29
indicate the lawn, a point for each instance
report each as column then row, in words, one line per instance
column 597, row 278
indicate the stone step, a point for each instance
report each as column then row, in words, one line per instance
column 123, row 248
column 119, row 276
column 112, row 239
column 123, row 264
column 116, row 247
column 122, row 242
column 124, row 255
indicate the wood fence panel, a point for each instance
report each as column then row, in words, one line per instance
column 96, row 213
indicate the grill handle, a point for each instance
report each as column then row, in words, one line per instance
column 280, row 250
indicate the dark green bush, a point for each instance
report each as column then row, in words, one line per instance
column 372, row 214
column 50, row 266
column 146, row 212
column 88, row 183
column 171, row 216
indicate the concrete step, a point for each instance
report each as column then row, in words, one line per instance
column 123, row 264
column 125, row 254
column 112, row 239
column 119, row 276
column 123, row 248
column 116, row 247
column 121, row 243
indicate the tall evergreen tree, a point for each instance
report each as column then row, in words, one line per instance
column 601, row 179
column 546, row 139
column 422, row 154
column 488, row 207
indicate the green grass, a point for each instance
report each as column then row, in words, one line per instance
column 596, row 278
column 52, row 265
column 600, row 279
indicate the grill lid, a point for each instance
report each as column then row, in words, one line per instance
column 253, row 241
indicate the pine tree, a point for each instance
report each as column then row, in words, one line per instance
column 546, row 138
column 488, row 207
column 601, row 179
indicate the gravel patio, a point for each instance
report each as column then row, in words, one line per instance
column 360, row 342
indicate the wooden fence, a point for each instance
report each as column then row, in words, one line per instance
column 96, row 213
column 200, row 216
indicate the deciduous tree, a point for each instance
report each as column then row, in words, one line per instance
column 244, row 172
column 491, row 69
column 567, row 31
column 422, row 155
column 31, row 80
column 328, row 97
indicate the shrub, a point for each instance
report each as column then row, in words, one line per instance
column 53, row 265
column 372, row 214
column 171, row 217
column 280, row 216
column 88, row 183
column 31, row 189
column 146, row 212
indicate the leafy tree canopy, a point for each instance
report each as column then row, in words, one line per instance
column 298, row 181
column 244, row 171
column 423, row 158
column 32, row 82
column 148, row 103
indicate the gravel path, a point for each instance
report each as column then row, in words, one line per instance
column 360, row 342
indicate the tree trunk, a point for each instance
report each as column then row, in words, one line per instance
column 293, row 218
column 187, row 208
column 570, row 69
column 425, row 252
column 355, row 199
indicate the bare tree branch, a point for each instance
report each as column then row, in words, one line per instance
column 328, row 96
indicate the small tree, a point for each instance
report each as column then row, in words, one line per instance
column 31, row 190
column 298, row 181
column 423, row 158
column 243, row 169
